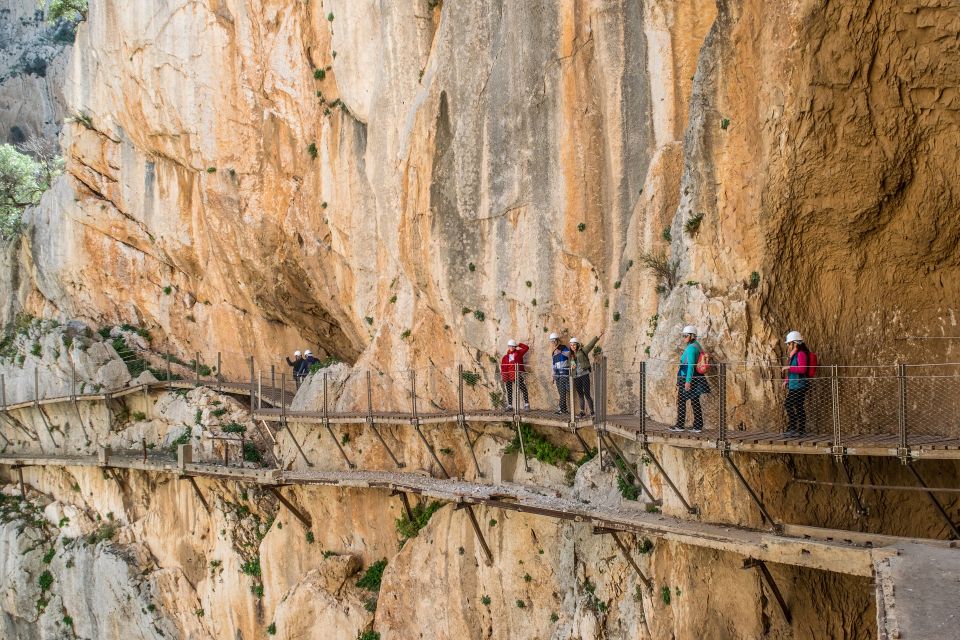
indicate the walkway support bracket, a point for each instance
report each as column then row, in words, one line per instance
column 462, row 420
column 647, row 583
column 751, row 563
column 196, row 489
column 326, row 424
column 955, row 532
column 859, row 509
column 686, row 505
column 415, row 421
column 285, row 425
column 753, row 496
column 370, row 421
column 488, row 555
column 299, row 515
column 405, row 501
column 618, row 453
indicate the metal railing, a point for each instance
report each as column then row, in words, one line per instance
column 900, row 407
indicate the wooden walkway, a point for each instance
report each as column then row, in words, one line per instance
column 273, row 405
column 810, row 547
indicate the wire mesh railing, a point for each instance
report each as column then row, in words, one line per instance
column 896, row 406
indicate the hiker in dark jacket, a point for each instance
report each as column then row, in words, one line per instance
column 561, row 371
column 308, row 361
column 581, row 372
column 296, row 364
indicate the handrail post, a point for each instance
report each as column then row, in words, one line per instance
column 219, row 376
column 571, row 397
column 196, row 367
column 283, row 397
column 722, row 383
column 3, row 392
column 413, row 395
column 273, row 377
column 36, row 387
column 516, row 392
column 169, row 378
column 253, row 389
column 460, row 414
column 369, row 397
column 643, row 401
column 903, row 451
column 73, row 380
column 835, row 405
column 326, row 421
column 259, row 388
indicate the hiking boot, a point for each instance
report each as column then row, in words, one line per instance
column 581, row 415
column 559, row 412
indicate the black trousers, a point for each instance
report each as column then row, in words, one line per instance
column 796, row 411
column 694, row 397
column 521, row 385
column 581, row 385
column 563, row 388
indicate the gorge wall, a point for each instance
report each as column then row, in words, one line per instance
column 510, row 159
column 410, row 184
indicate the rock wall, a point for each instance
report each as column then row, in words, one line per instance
column 33, row 72
column 473, row 172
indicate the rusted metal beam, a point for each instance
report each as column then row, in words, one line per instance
column 663, row 472
column 196, row 489
column 488, row 555
column 405, row 501
column 626, row 555
column 756, row 499
column 299, row 515
column 955, row 533
column 618, row 453
column 751, row 563
column 462, row 420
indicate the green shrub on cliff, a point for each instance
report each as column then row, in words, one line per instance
column 69, row 10
column 23, row 179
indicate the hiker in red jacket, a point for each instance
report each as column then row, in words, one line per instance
column 512, row 368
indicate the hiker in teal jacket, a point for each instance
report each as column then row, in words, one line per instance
column 690, row 384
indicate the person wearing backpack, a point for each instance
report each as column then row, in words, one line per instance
column 691, row 381
column 801, row 367
column 561, row 371
column 581, row 372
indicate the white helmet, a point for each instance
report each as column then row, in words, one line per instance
column 794, row 336
column 689, row 330
column 308, row 352
column 296, row 354
column 574, row 341
column 554, row 336
column 511, row 343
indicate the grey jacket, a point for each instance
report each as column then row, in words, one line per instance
column 581, row 366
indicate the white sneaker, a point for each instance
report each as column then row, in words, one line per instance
column 509, row 407
column 526, row 406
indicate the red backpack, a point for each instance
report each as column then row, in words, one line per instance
column 703, row 361
column 811, row 364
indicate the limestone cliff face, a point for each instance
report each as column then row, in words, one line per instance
column 256, row 176
column 511, row 159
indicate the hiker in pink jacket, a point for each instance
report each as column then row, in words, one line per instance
column 512, row 368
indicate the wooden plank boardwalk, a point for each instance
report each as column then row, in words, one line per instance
column 824, row 549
